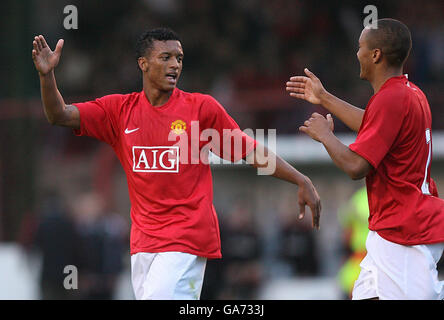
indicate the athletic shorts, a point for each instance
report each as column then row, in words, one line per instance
column 167, row 276
column 397, row 272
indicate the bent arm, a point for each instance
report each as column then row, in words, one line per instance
column 45, row 61
column 56, row 111
column 310, row 89
column 262, row 157
column 350, row 115
column 345, row 159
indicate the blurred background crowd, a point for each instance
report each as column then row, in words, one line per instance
column 63, row 199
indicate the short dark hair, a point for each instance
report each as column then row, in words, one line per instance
column 393, row 38
column 145, row 41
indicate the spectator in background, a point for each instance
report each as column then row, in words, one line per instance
column 353, row 216
column 297, row 247
column 103, row 237
column 239, row 274
column 57, row 240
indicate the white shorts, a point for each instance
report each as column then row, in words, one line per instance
column 167, row 275
column 397, row 272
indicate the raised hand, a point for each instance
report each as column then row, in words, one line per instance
column 308, row 87
column 45, row 60
column 317, row 127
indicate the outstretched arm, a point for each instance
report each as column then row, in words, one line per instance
column 307, row 194
column 45, row 60
column 321, row 130
column 310, row 88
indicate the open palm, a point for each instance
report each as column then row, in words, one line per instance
column 308, row 87
column 45, row 60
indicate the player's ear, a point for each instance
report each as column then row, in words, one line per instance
column 143, row 64
column 377, row 55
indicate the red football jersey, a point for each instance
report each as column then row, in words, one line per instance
column 395, row 137
column 164, row 152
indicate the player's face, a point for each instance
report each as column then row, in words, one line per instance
column 364, row 55
column 164, row 64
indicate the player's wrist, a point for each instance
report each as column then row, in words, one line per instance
column 324, row 97
column 325, row 137
column 47, row 74
column 301, row 180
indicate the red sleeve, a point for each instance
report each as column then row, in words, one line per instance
column 98, row 118
column 233, row 144
column 380, row 126
column 433, row 188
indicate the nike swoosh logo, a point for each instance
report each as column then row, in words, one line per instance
column 130, row 131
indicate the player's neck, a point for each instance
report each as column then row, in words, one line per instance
column 381, row 77
column 155, row 96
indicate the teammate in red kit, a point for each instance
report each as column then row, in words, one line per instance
column 174, row 224
column 393, row 151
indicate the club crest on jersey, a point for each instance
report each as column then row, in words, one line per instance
column 156, row 159
column 178, row 127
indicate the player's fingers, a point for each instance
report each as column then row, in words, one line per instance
column 299, row 79
column 315, row 221
column 330, row 121
column 316, row 115
column 303, row 129
column 37, row 41
column 297, row 95
column 314, row 216
column 59, row 46
column 43, row 41
column 317, row 216
column 296, row 90
column 301, row 210
column 35, row 46
column 34, row 53
column 295, row 84
column 40, row 42
column 310, row 74
column 307, row 122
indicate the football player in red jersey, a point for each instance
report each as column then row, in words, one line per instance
column 393, row 151
column 174, row 225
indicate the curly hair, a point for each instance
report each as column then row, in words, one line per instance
column 145, row 41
